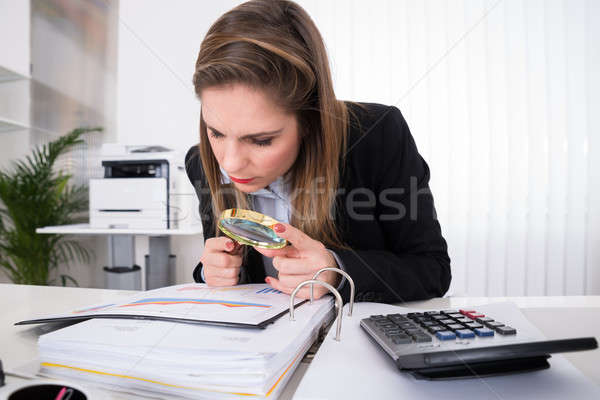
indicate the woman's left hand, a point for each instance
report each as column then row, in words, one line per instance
column 299, row 261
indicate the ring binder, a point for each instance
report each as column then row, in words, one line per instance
column 339, row 271
column 338, row 302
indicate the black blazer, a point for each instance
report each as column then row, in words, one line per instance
column 385, row 213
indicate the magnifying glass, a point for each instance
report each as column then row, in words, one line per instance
column 251, row 228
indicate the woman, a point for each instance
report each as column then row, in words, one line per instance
column 345, row 179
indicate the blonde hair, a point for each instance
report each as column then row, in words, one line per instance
column 276, row 47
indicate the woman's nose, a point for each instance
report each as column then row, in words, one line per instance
column 234, row 159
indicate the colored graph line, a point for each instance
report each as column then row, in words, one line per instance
column 170, row 301
column 268, row 290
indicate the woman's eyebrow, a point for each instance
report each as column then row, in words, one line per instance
column 252, row 135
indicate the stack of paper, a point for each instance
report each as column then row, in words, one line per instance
column 189, row 360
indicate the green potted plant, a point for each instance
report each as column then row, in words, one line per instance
column 33, row 195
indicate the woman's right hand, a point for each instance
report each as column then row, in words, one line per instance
column 221, row 261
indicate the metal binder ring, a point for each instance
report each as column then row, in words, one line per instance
column 338, row 303
column 339, row 271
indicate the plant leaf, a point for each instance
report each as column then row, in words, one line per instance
column 33, row 195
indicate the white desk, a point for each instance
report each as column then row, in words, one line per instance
column 121, row 250
column 554, row 316
column 85, row 229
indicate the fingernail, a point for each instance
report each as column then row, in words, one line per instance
column 229, row 245
column 279, row 228
column 268, row 280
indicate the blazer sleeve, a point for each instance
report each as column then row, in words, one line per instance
column 414, row 264
column 193, row 168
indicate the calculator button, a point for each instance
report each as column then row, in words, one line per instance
column 483, row 320
column 392, row 316
column 464, row 320
column 455, row 315
column 465, row 312
column 506, row 330
column 450, row 312
column 414, row 315
column 465, row 333
column 424, row 338
column 445, row 335
column 473, row 325
column 483, row 332
column 376, row 317
column 434, row 329
column 413, row 332
column 439, row 317
column 475, row 315
column 420, row 320
column 401, row 339
column 447, row 321
column 428, row 323
column 494, row 324
column 455, row 327
column 407, row 325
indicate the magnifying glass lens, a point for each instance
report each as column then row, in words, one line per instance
column 251, row 228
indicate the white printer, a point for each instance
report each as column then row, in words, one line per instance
column 144, row 187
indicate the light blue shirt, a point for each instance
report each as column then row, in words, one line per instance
column 274, row 201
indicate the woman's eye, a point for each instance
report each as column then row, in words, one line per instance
column 264, row 142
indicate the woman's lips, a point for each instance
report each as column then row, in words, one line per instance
column 238, row 180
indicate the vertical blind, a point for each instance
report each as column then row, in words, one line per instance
column 503, row 100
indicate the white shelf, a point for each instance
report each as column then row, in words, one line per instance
column 7, row 125
column 84, row 229
column 6, row 75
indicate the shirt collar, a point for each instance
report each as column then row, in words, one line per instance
column 278, row 189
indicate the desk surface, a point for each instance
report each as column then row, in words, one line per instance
column 555, row 316
column 85, row 229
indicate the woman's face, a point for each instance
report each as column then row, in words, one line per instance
column 251, row 137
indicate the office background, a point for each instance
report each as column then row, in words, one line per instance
column 502, row 97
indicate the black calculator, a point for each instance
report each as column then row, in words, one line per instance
column 463, row 343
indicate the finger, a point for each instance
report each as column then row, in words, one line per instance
column 224, row 273
column 274, row 283
column 303, row 293
column 222, row 243
column 238, row 248
column 292, row 281
column 299, row 239
column 221, row 260
column 293, row 266
column 287, row 251
column 220, row 282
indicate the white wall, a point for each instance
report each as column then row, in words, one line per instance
column 501, row 97
column 14, row 95
column 14, row 36
column 158, row 45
